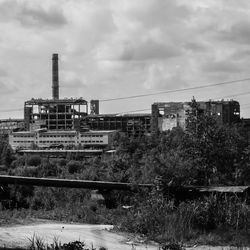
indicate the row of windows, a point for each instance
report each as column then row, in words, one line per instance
column 54, row 136
column 91, row 135
column 21, row 136
column 23, row 141
column 9, row 123
column 49, row 142
column 56, row 142
column 8, row 127
column 91, row 141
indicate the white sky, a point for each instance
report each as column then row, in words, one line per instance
column 116, row 48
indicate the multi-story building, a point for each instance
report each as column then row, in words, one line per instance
column 53, row 122
column 55, row 114
column 68, row 122
column 9, row 125
column 72, row 114
column 48, row 139
column 167, row 115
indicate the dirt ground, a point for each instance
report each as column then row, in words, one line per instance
column 96, row 235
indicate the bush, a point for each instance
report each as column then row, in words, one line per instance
column 62, row 162
column 34, row 160
column 159, row 218
column 73, row 166
column 18, row 162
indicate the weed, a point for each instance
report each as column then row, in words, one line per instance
column 38, row 243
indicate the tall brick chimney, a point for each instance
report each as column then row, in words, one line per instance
column 55, row 77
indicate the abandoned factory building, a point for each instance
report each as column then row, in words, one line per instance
column 74, row 121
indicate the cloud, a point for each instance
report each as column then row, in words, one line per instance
column 195, row 46
column 159, row 77
column 71, row 80
column 49, row 18
column 238, row 33
column 3, row 72
column 7, row 88
column 119, row 48
column 143, row 51
column 153, row 13
column 221, row 66
column 32, row 13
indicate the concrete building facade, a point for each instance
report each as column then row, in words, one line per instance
column 47, row 139
column 167, row 115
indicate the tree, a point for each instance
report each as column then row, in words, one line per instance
column 34, row 160
column 6, row 155
column 73, row 166
column 214, row 149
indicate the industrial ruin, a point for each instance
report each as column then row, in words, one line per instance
column 168, row 115
column 72, row 122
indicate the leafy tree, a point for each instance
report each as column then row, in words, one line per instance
column 73, row 166
column 215, row 149
column 34, row 160
column 7, row 155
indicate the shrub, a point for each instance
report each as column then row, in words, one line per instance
column 73, row 166
column 62, row 162
column 19, row 161
column 159, row 218
column 34, row 160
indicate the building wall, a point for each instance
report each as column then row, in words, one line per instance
column 94, row 139
column 167, row 115
column 46, row 139
column 27, row 140
column 7, row 126
column 22, row 139
column 94, row 107
column 61, row 114
column 132, row 125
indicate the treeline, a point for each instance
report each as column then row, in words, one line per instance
column 206, row 153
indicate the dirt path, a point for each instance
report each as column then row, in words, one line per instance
column 98, row 235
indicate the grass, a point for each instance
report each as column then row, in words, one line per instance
column 211, row 221
column 38, row 243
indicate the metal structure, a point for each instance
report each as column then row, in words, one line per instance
column 179, row 193
column 55, row 113
column 72, row 114
column 61, row 114
column 131, row 124
column 49, row 182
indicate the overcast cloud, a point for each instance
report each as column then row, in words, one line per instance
column 121, row 48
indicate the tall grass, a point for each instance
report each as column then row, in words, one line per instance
column 163, row 220
column 38, row 243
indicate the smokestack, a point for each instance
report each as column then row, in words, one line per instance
column 55, row 77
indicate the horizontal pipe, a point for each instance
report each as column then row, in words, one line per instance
column 67, row 183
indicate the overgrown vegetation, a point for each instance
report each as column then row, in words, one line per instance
column 206, row 153
column 38, row 243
